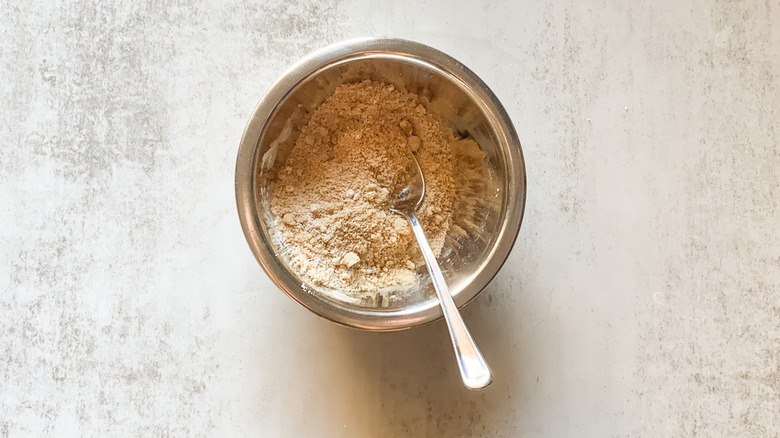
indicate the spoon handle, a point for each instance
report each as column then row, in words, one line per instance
column 473, row 369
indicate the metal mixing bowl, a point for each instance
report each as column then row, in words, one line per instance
column 487, row 215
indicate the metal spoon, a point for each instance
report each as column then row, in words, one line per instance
column 473, row 368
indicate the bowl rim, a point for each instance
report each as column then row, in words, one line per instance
column 246, row 161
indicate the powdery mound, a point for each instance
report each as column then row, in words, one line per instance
column 331, row 200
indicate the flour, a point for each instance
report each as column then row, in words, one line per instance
column 332, row 196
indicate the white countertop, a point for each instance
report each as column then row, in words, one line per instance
column 641, row 297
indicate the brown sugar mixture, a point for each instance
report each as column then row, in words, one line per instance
column 332, row 196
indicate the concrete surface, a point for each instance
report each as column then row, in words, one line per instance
column 641, row 298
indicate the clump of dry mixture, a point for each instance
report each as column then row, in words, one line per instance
column 331, row 199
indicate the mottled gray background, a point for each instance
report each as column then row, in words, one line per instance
column 641, row 297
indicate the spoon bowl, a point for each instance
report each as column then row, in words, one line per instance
column 411, row 196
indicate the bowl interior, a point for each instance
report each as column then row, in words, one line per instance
column 485, row 177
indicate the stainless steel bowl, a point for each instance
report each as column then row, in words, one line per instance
column 488, row 214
